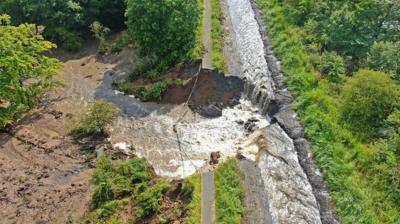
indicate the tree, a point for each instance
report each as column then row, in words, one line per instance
column 25, row 72
column 385, row 56
column 66, row 21
column 368, row 98
column 166, row 29
column 62, row 19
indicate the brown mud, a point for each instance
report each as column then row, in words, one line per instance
column 44, row 176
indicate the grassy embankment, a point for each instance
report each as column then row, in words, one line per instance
column 228, row 193
column 341, row 157
column 193, row 186
column 217, row 36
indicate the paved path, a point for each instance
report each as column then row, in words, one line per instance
column 207, row 35
column 207, row 195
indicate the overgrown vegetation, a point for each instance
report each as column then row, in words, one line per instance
column 66, row 22
column 164, row 29
column 100, row 115
column 25, row 72
column 217, row 36
column 192, row 188
column 228, row 193
column 119, row 184
column 309, row 37
column 368, row 99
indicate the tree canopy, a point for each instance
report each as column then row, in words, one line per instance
column 66, row 21
column 24, row 70
column 165, row 29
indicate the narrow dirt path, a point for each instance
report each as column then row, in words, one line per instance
column 207, row 35
column 207, row 195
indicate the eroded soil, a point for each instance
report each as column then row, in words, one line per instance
column 44, row 176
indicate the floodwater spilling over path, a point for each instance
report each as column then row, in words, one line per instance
column 147, row 130
column 250, row 50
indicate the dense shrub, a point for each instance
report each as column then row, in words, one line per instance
column 22, row 59
column 332, row 66
column 166, row 29
column 385, row 56
column 96, row 120
column 368, row 98
column 121, row 41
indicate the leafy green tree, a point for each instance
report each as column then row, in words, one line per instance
column 368, row 98
column 25, row 72
column 66, row 21
column 385, row 56
column 166, row 29
column 62, row 19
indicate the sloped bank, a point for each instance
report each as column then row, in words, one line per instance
column 296, row 198
column 282, row 113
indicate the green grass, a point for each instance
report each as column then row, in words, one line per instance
column 228, row 193
column 343, row 159
column 217, row 36
column 198, row 50
column 117, row 184
column 192, row 187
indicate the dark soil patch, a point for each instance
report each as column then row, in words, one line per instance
column 212, row 93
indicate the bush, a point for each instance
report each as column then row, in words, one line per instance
column 385, row 56
column 100, row 32
column 368, row 98
column 166, row 29
column 121, row 41
column 95, row 121
column 332, row 66
column 69, row 40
